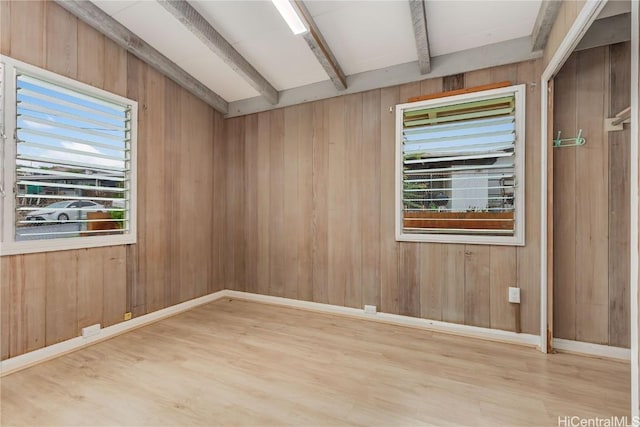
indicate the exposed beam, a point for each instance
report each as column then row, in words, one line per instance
column 101, row 21
column 606, row 31
column 200, row 27
column 544, row 22
column 419, row 20
column 320, row 48
column 507, row 52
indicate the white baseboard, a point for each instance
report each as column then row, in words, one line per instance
column 598, row 350
column 38, row 356
column 396, row 319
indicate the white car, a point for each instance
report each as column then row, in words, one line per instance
column 65, row 211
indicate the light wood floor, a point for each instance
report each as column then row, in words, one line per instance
column 240, row 363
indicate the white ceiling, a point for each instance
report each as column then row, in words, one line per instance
column 364, row 35
column 460, row 25
column 257, row 32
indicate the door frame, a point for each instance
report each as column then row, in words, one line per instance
column 585, row 18
column 583, row 21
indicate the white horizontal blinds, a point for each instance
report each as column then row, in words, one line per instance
column 459, row 168
column 72, row 162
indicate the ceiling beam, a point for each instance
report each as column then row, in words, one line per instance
column 544, row 22
column 101, row 21
column 419, row 20
column 200, row 27
column 507, row 52
column 320, row 48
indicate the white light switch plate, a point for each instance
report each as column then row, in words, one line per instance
column 514, row 295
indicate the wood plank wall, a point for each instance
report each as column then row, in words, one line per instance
column 47, row 298
column 591, row 199
column 311, row 212
column 569, row 11
column 310, row 186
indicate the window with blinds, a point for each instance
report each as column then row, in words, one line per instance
column 71, row 162
column 461, row 168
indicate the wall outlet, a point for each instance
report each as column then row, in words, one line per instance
column 514, row 295
column 127, row 315
column 90, row 331
column 370, row 309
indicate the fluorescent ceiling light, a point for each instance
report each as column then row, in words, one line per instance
column 290, row 16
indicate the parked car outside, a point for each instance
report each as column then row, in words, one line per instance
column 65, row 211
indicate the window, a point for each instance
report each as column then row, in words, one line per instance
column 68, row 160
column 460, row 168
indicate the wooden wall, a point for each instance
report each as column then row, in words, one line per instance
column 296, row 202
column 47, row 298
column 591, row 199
column 569, row 11
column 310, row 212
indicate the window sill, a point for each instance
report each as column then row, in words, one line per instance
column 37, row 246
column 461, row 239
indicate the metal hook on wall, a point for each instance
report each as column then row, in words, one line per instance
column 569, row 142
